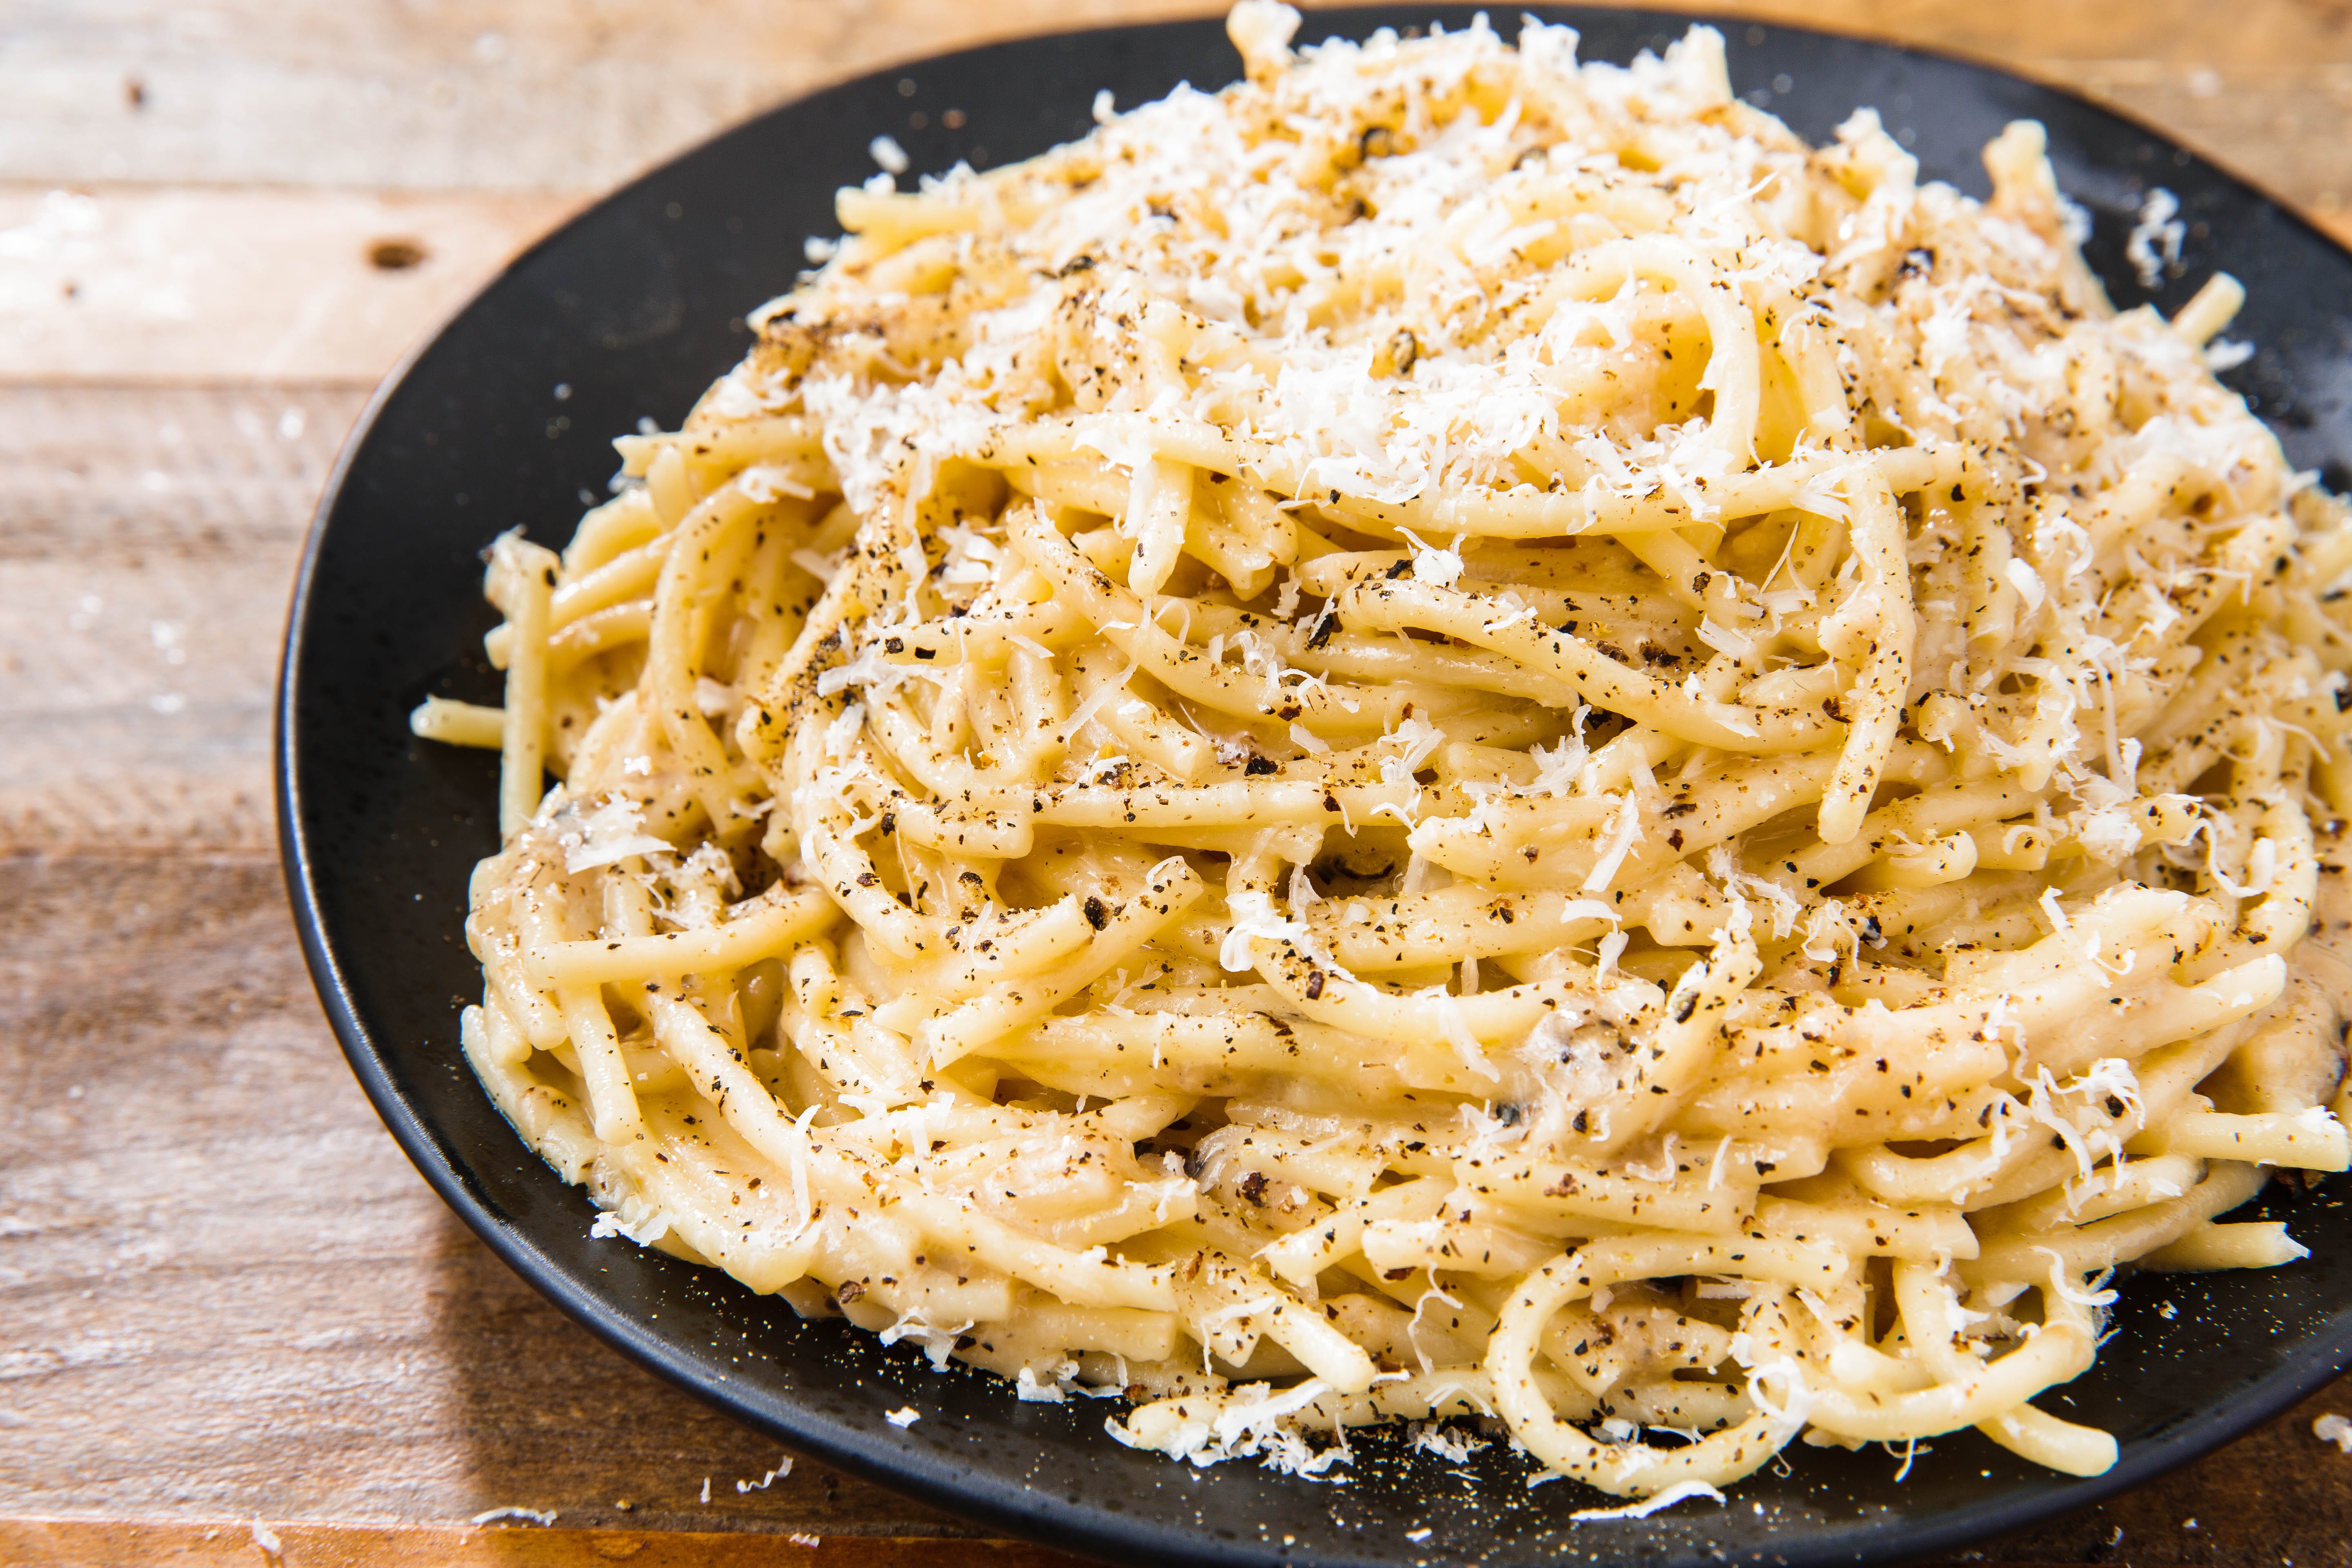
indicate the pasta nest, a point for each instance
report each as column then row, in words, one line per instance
column 1446, row 734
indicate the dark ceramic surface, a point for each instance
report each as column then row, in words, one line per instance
column 630, row 310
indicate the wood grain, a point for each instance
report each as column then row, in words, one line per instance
column 223, row 1295
column 479, row 95
column 242, row 285
column 148, row 542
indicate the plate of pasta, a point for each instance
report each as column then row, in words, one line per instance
column 1365, row 790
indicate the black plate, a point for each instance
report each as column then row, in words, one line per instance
column 630, row 310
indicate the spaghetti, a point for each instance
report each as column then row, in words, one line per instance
column 1447, row 734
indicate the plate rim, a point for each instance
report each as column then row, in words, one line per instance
column 1030, row 1513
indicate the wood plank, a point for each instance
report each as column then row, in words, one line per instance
column 532, row 95
column 244, row 286
column 244, row 1543
column 520, row 95
column 148, row 540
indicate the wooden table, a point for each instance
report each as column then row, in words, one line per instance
column 234, row 1327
